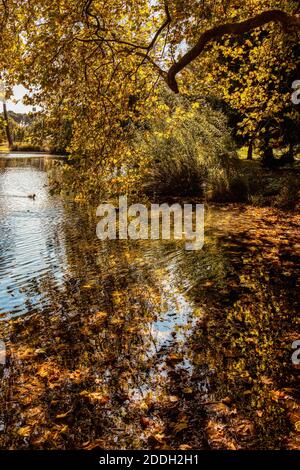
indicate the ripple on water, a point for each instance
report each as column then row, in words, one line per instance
column 34, row 252
column 30, row 235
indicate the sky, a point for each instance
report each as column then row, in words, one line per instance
column 18, row 106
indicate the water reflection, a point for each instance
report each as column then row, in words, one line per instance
column 31, row 236
column 145, row 345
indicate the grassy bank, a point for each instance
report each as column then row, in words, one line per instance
column 26, row 147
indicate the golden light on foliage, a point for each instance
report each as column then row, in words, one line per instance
column 98, row 69
column 137, row 346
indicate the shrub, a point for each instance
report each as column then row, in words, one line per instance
column 289, row 194
column 183, row 147
column 26, row 147
column 184, row 150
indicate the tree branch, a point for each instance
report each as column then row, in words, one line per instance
column 87, row 13
column 158, row 69
column 163, row 26
column 235, row 29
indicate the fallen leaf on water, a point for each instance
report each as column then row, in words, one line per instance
column 101, row 315
column 145, row 422
column 143, row 406
column 24, row 431
column 102, row 399
column 64, row 415
column 159, row 438
column 98, row 443
column 277, row 395
column 175, row 358
column 117, row 321
column 173, row 399
column 181, row 425
column 188, row 390
column 266, row 380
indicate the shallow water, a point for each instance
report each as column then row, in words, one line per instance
column 143, row 344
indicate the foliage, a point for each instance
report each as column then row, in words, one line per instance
column 130, row 346
column 182, row 145
column 97, row 69
column 51, row 131
column 254, row 74
column 288, row 196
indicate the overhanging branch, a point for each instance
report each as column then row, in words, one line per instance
column 234, row 29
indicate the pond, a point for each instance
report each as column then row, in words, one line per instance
column 138, row 345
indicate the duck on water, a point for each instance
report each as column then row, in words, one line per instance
column 30, row 196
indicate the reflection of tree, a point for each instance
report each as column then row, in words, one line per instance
column 38, row 163
column 88, row 359
column 89, row 370
column 242, row 343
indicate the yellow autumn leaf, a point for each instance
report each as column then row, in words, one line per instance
column 24, row 431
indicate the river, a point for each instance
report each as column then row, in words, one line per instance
column 142, row 344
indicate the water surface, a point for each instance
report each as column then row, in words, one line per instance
column 143, row 344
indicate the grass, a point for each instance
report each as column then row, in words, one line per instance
column 21, row 147
column 26, row 147
column 4, row 148
column 243, row 154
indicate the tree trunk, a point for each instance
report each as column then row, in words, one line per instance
column 7, row 128
column 288, row 157
column 291, row 153
column 268, row 159
column 250, row 151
